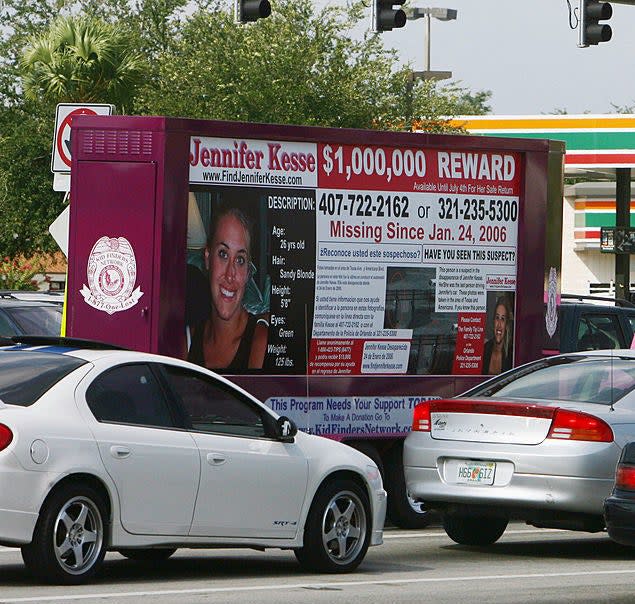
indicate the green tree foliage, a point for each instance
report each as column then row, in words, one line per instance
column 82, row 60
column 293, row 67
column 22, row 19
column 298, row 66
column 28, row 204
column 428, row 105
column 188, row 58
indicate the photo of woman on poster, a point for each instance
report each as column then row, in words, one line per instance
column 230, row 337
column 497, row 353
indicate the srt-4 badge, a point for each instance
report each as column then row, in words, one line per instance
column 111, row 274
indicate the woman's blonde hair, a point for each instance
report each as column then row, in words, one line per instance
column 507, row 336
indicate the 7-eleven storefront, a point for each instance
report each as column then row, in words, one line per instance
column 596, row 145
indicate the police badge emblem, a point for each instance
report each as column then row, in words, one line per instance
column 551, row 317
column 111, row 274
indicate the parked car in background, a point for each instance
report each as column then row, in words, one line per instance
column 109, row 449
column 595, row 323
column 30, row 313
column 56, row 297
column 539, row 443
column 619, row 507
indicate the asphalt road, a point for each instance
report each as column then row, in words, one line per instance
column 526, row 565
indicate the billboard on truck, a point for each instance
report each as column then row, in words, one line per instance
column 367, row 260
column 341, row 275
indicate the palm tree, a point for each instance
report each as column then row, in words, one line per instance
column 82, row 60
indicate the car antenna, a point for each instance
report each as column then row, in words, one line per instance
column 611, row 408
column 306, row 351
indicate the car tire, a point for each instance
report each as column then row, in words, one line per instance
column 70, row 537
column 402, row 510
column 474, row 529
column 147, row 555
column 337, row 530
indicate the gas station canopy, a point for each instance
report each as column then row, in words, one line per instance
column 596, row 145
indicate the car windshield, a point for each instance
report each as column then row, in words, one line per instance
column 26, row 376
column 37, row 320
column 584, row 379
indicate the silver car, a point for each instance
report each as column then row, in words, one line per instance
column 539, row 443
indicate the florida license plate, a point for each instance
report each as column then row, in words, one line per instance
column 475, row 472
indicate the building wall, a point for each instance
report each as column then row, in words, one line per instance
column 585, row 269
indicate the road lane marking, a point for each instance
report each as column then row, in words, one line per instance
column 312, row 586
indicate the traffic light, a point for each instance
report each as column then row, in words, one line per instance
column 385, row 17
column 591, row 31
column 251, row 10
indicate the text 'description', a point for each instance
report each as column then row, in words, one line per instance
column 385, row 357
column 334, row 251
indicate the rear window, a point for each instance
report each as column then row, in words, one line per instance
column 26, row 376
column 36, row 320
column 582, row 379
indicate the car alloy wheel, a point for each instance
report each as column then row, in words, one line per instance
column 337, row 532
column 78, row 535
column 69, row 542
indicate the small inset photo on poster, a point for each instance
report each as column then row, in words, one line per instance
column 410, row 304
column 409, row 296
column 227, row 302
column 498, row 352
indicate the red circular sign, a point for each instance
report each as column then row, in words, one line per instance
column 63, row 151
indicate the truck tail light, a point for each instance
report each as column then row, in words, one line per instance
column 625, row 477
column 6, row 436
column 421, row 417
column 575, row 425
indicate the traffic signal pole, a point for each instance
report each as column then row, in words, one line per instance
column 622, row 219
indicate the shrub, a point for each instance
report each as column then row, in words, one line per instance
column 18, row 273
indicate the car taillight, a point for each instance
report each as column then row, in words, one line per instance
column 6, row 436
column 575, row 425
column 421, row 417
column 625, row 477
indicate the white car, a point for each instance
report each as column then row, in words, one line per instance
column 106, row 449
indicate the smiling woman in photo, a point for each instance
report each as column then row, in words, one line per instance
column 230, row 337
column 497, row 355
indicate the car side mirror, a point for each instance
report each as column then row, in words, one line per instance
column 286, row 429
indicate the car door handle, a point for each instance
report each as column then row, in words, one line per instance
column 119, row 452
column 216, row 459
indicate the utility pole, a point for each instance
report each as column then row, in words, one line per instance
column 622, row 220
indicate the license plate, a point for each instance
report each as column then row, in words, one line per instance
column 475, row 472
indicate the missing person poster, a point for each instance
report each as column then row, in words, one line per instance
column 333, row 259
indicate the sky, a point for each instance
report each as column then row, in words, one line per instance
column 525, row 52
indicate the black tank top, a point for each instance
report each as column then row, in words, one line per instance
column 241, row 358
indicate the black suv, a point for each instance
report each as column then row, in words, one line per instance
column 593, row 323
column 24, row 313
